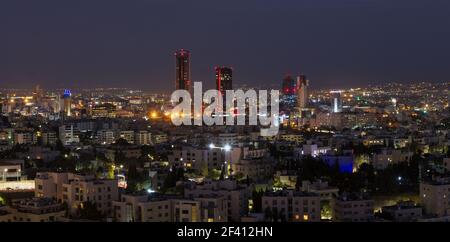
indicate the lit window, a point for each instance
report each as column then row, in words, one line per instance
column 305, row 217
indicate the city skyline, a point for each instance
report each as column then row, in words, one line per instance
column 130, row 46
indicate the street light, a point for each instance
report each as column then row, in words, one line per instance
column 227, row 147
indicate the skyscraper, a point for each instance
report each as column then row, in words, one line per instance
column 224, row 79
column 289, row 86
column 302, row 92
column 336, row 101
column 183, row 70
column 67, row 102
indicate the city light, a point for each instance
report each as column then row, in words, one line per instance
column 227, row 147
column 146, row 133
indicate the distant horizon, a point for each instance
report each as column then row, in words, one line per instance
column 112, row 43
column 169, row 90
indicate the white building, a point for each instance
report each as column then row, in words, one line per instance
column 435, row 196
column 291, row 206
column 352, row 208
column 76, row 189
column 69, row 134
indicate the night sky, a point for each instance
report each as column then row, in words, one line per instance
column 130, row 43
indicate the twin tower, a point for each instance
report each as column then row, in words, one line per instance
column 224, row 75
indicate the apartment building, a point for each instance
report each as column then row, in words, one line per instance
column 352, row 208
column 32, row 210
column 75, row 190
column 435, row 196
column 162, row 208
column 236, row 195
column 291, row 206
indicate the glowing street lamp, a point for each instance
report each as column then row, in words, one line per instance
column 227, row 148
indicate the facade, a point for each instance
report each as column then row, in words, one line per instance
column 289, row 86
column 10, row 171
column 336, row 101
column 256, row 169
column 183, row 70
column 199, row 157
column 32, row 210
column 106, row 110
column 237, row 196
column 321, row 188
column 69, row 134
column 224, row 79
column 352, row 208
column 143, row 137
column 127, row 135
column 67, row 103
column 435, row 196
column 74, row 190
column 302, row 93
column 161, row 208
column 405, row 211
column 291, row 206
column 25, row 138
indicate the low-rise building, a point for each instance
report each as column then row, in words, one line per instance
column 75, row 190
column 162, row 208
column 256, row 169
column 352, row 208
column 292, row 206
column 236, row 195
column 32, row 210
column 321, row 188
column 435, row 196
column 404, row 211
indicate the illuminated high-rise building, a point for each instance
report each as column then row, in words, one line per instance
column 289, row 86
column 302, row 92
column 67, row 103
column 224, row 79
column 336, row 101
column 38, row 94
column 183, row 70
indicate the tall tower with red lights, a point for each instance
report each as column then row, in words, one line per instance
column 289, row 86
column 224, row 79
column 183, row 70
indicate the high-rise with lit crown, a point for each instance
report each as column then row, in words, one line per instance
column 289, row 85
column 67, row 103
column 224, row 79
column 302, row 93
column 183, row 70
column 336, row 101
